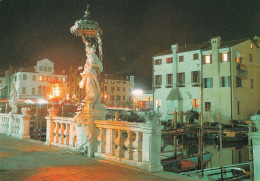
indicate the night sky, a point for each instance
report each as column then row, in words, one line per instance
column 134, row 30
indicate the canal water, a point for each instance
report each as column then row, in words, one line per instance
column 231, row 153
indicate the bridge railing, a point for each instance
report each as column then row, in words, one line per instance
column 134, row 144
column 17, row 125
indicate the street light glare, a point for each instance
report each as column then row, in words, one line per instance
column 137, row 92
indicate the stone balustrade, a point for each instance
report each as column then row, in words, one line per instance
column 61, row 132
column 17, row 125
column 134, row 144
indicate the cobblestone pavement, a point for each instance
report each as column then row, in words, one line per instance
column 32, row 160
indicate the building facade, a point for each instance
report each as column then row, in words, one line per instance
column 35, row 82
column 117, row 90
column 227, row 71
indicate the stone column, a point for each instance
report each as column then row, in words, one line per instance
column 25, row 124
column 50, row 127
column 10, row 127
column 256, row 147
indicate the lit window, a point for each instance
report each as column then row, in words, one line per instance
column 34, row 77
column 169, row 60
column 112, row 82
column 195, row 103
column 224, row 57
column 45, row 68
column 105, row 97
column 207, row 59
column 40, row 78
column 238, row 59
column 118, row 88
column 181, row 58
column 49, row 78
column 251, row 45
column 158, row 103
column 64, row 79
column 41, row 68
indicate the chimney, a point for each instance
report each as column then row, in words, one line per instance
column 257, row 40
column 215, row 42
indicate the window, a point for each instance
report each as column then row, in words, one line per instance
column 251, row 45
column 63, row 79
column 124, row 82
column 40, row 90
column 112, row 89
column 44, row 90
column 105, row 87
column 49, row 69
column 224, row 57
column 124, row 89
column 225, row 81
column 112, row 82
column 123, row 98
column 208, row 82
column 45, row 68
column 40, row 78
column 169, row 60
column 34, row 77
column 195, row 56
column 23, row 90
column 111, row 97
column 33, row 91
column 251, row 83
column 250, row 58
column 181, row 58
column 169, row 79
column 195, row 76
column 238, row 107
column 118, row 88
column 158, row 80
column 181, row 78
column 238, row 59
column 158, row 103
column 0, row 81
column 207, row 106
column 41, row 68
column 195, row 103
column 44, row 78
column 238, row 82
column 105, row 81
column 158, row 62
column 118, row 82
column 24, row 76
column 49, row 78
column 207, row 59
column 118, row 97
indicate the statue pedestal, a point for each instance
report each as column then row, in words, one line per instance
column 85, row 127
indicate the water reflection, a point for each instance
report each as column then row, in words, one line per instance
column 232, row 152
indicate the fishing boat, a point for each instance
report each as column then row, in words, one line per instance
column 230, row 136
column 168, row 152
column 231, row 172
column 186, row 164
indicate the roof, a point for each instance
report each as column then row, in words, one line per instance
column 203, row 46
column 228, row 43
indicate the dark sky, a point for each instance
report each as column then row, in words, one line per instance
column 134, row 30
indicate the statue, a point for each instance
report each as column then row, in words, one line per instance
column 14, row 100
column 89, row 76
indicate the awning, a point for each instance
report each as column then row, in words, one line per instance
column 174, row 95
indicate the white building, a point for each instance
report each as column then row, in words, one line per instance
column 178, row 73
column 34, row 83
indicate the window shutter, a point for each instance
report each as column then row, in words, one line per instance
column 220, row 57
column 210, row 58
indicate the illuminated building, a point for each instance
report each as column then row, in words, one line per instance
column 230, row 73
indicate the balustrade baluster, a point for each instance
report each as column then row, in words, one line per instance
column 67, row 134
column 56, row 132
column 61, row 131
column 129, row 146
column 101, row 140
column 137, row 146
column 119, row 151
